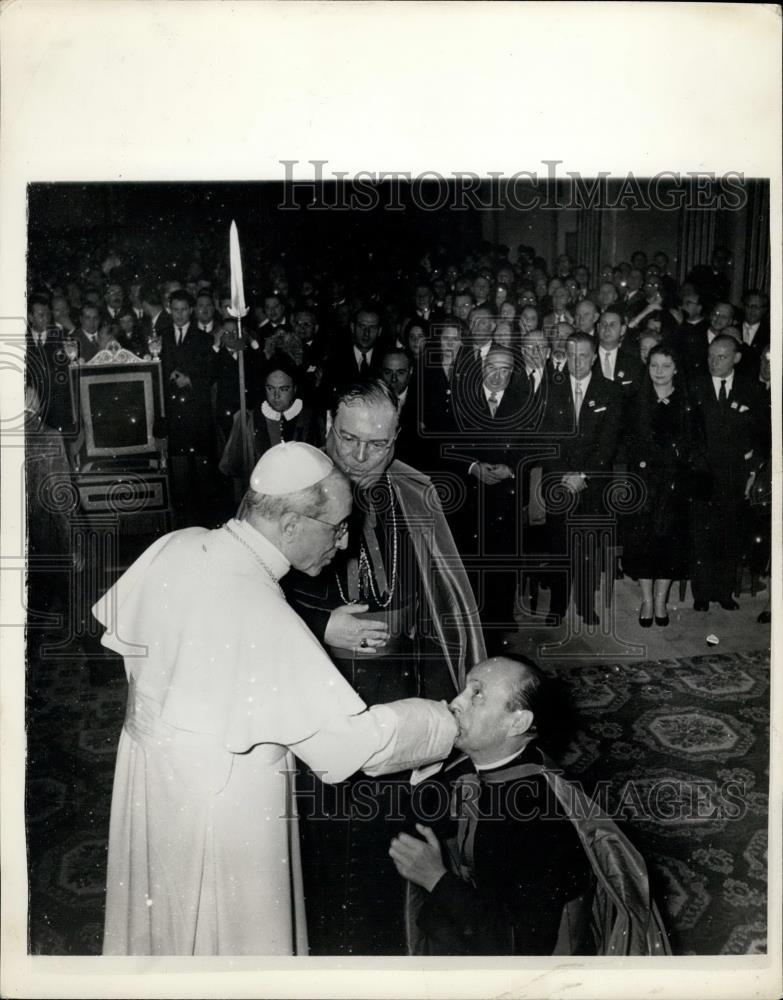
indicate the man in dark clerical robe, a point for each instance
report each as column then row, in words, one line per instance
column 504, row 856
column 493, row 859
column 396, row 613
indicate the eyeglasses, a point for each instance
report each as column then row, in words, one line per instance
column 339, row 530
column 376, row 447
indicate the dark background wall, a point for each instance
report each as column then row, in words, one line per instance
column 164, row 225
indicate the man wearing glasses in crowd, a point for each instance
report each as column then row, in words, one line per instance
column 398, row 617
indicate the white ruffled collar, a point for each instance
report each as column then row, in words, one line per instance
column 293, row 411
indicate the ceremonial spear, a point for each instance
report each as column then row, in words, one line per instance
column 238, row 310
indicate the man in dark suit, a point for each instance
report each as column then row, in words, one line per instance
column 536, row 372
column 424, row 304
column 635, row 299
column 188, row 371
column 694, row 347
column 87, row 332
column 205, row 313
column 618, row 360
column 586, row 317
column 47, row 366
column 113, row 299
column 694, row 322
column 712, row 280
column 755, row 322
column 583, row 415
column 156, row 319
column 358, row 359
column 491, row 416
column 63, row 316
column 306, row 327
column 482, row 325
column 226, row 347
column 275, row 319
column 397, row 371
column 729, row 406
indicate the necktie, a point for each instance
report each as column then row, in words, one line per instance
column 578, row 396
column 607, row 366
column 493, row 403
column 722, row 395
column 179, row 335
column 364, row 368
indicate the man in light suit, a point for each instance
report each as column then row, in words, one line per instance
column 584, row 414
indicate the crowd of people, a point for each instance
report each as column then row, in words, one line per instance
column 420, row 449
column 530, row 394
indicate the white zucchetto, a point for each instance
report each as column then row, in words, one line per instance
column 289, row 467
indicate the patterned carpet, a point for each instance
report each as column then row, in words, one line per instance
column 680, row 745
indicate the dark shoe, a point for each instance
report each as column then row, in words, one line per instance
column 701, row 605
column 764, row 618
column 729, row 605
column 662, row 621
column 645, row 622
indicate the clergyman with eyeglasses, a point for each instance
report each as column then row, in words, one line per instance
column 397, row 615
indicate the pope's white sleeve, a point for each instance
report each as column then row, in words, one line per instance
column 385, row 738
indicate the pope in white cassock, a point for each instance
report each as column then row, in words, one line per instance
column 226, row 683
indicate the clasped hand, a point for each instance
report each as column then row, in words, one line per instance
column 490, row 474
column 574, row 481
column 180, row 380
column 419, row 861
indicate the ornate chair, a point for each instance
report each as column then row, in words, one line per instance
column 119, row 455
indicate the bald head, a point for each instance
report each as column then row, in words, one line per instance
column 495, row 714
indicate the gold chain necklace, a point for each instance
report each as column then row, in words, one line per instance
column 366, row 568
column 257, row 557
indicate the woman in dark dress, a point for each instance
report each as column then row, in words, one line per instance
column 662, row 447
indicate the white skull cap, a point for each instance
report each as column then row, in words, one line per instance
column 289, row 467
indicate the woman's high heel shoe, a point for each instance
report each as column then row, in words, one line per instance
column 644, row 622
column 662, row 620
